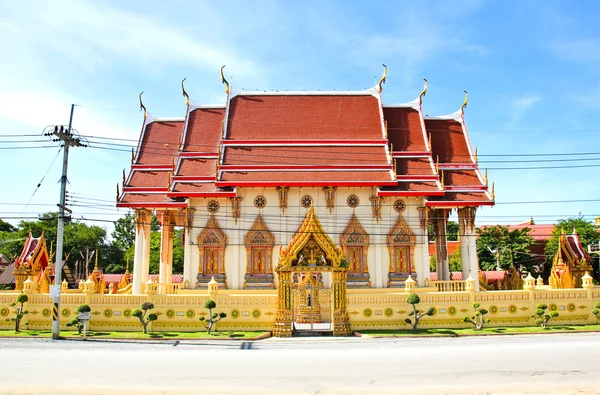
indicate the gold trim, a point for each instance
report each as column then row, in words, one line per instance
column 382, row 80
column 224, row 81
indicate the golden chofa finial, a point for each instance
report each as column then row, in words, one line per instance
column 382, row 80
column 142, row 106
column 424, row 92
column 462, row 108
column 184, row 93
column 224, row 81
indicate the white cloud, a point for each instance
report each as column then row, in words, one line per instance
column 520, row 106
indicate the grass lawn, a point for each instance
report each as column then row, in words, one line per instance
column 135, row 335
column 485, row 331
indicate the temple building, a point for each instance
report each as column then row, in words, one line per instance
column 269, row 183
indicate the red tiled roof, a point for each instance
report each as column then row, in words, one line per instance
column 195, row 188
column 196, row 167
column 149, row 178
column 491, row 275
column 452, row 247
column 316, row 155
column 161, row 142
column 148, row 198
column 204, row 130
column 414, row 166
column 284, row 177
column 404, row 128
column 540, row 232
column 448, row 141
column 461, row 178
column 304, row 117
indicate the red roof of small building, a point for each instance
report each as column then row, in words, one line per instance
column 540, row 232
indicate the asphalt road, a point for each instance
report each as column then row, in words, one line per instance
column 543, row 364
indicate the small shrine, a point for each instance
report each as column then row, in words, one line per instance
column 570, row 264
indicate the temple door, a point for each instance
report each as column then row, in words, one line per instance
column 211, row 259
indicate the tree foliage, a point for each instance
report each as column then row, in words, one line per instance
column 414, row 300
column 596, row 311
column 478, row 320
column 76, row 321
column 542, row 317
column 451, row 231
column 20, row 311
column 213, row 318
column 513, row 246
column 142, row 312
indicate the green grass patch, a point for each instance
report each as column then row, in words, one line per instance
column 485, row 331
column 135, row 335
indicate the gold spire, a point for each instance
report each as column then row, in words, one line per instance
column 382, row 80
column 184, row 93
column 462, row 108
column 96, row 265
column 493, row 192
column 142, row 106
column 424, row 92
column 224, row 81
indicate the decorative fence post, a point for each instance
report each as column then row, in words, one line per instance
column 29, row 286
column 409, row 285
column 471, row 287
column 529, row 285
column 587, row 284
column 89, row 288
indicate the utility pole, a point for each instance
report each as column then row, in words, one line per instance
column 68, row 139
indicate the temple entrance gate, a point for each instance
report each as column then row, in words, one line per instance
column 311, row 304
column 309, row 255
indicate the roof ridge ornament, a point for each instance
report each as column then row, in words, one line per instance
column 382, row 80
column 224, row 81
column 493, row 192
column 142, row 106
column 424, row 92
column 184, row 93
column 462, row 108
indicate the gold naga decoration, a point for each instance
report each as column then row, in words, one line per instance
column 382, row 80
column 142, row 106
column 475, row 156
column 184, row 93
column 224, row 81
column 485, row 177
column 462, row 108
column 424, row 92
column 493, row 192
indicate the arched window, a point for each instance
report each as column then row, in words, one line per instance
column 212, row 242
column 355, row 242
column 401, row 243
column 259, row 242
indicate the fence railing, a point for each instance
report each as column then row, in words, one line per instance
column 449, row 286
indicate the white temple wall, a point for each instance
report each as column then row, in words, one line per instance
column 284, row 225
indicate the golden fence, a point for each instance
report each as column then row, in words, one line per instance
column 255, row 310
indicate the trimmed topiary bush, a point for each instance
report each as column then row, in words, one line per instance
column 141, row 315
column 19, row 312
column 213, row 318
column 542, row 317
column 596, row 311
column 82, row 308
column 478, row 320
column 414, row 300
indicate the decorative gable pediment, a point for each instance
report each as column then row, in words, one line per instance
column 401, row 233
column 259, row 234
column 354, row 233
column 212, row 235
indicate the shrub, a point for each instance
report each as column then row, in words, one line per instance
column 82, row 308
column 542, row 317
column 478, row 320
column 596, row 311
column 213, row 318
column 19, row 312
column 414, row 300
column 141, row 315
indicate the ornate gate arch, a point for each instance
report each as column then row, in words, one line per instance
column 311, row 251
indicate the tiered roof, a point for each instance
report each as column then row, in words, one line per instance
column 269, row 139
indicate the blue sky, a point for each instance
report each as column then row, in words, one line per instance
column 532, row 70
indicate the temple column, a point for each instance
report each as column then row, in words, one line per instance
column 423, row 272
column 472, row 243
column 190, row 270
column 142, row 216
column 464, row 239
column 166, row 252
column 440, row 219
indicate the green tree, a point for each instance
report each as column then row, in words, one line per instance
column 542, row 317
column 82, row 308
column 587, row 234
column 20, row 311
column 142, row 312
column 414, row 300
column 6, row 227
column 512, row 246
column 213, row 318
column 453, row 262
column 451, row 231
column 478, row 320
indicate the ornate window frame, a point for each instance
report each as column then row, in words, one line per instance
column 354, row 227
column 409, row 241
column 259, row 231
column 218, row 241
